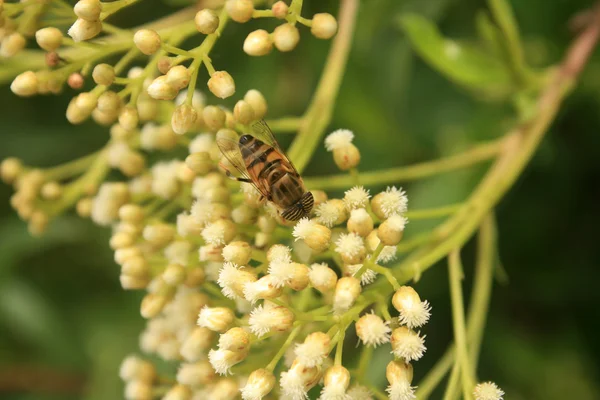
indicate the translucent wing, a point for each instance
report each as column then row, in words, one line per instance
column 262, row 132
column 230, row 148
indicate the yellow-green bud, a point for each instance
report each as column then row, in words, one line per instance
column 286, row 37
column 243, row 112
column 49, row 38
column 214, row 117
column 280, row 10
column 147, row 41
column 324, row 26
column 221, row 84
column 240, row 10
column 88, row 10
column 257, row 102
column 206, row 21
column 25, row 84
column 258, row 43
column 12, row 44
column 183, row 118
column 103, row 74
column 84, row 30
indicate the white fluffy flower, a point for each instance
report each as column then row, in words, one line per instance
column 261, row 320
column 488, row 391
column 409, row 345
column 279, row 253
column 338, row 139
column 401, row 390
column 327, row 213
column 178, row 252
column 349, row 244
column 228, row 277
column 359, row 392
column 281, row 271
column 292, row 385
column 334, row 392
column 311, row 353
column 164, row 179
column 387, row 254
column 303, row 228
column 213, row 234
column 372, row 330
column 368, row 276
column 202, row 143
column 357, row 197
column 223, row 360
column 393, row 201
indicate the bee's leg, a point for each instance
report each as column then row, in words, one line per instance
column 235, row 178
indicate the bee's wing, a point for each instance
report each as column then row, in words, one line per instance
column 261, row 131
column 230, row 148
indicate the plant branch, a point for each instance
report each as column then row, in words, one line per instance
column 475, row 155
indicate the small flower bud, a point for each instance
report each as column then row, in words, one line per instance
column 391, row 230
column 347, row 291
column 351, row 248
column 120, row 240
column 324, row 26
column 131, row 213
column 258, row 43
column 49, row 38
column 178, row 392
column 232, row 280
column 158, row 234
column 214, row 118
column 206, row 21
column 407, row 344
column 12, row 44
column 313, row 351
column 372, row 330
column 399, row 375
column 147, row 109
column 488, row 391
column 299, row 280
column 266, row 224
column 138, row 390
column 345, row 154
column 221, row 84
column 183, row 119
column 392, row 201
column 264, row 319
column 196, row 374
column 217, row 319
column 103, row 74
column 332, row 212
column 413, row 311
column 286, row 37
column 84, row 30
column 322, row 277
column 336, row 382
column 174, row 274
column 265, row 288
column 223, row 360
column 128, row 118
column 161, row 89
column 10, row 169
column 153, row 304
column 109, row 102
column 147, row 41
column 133, row 368
column 38, row 223
column 25, row 84
column 316, row 236
column 257, row 102
column 360, row 222
column 240, row 10
column 195, row 345
column 280, row 10
column 200, row 163
column 122, row 255
column 178, row 77
column 238, row 253
column 75, row 80
column 52, row 59
column 298, row 380
column 88, row 10
column 243, row 112
column 219, row 232
column 235, row 339
column 279, row 253
column 135, row 266
column 84, row 207
column 259, row 384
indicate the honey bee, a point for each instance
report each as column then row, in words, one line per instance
column 261, row 162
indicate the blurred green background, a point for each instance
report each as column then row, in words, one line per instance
column 65, row 323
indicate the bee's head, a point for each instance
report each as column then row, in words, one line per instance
column 301, row 209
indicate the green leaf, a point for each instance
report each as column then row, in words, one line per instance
column 490, row 34
column 463, row 63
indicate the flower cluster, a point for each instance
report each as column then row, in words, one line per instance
column 243, row 302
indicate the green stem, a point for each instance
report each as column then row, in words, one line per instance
column 285, row 124
column 430, row 213
column 363, row 363
column 71, row 168
column 320, row 110
column 290, row 339
column 475, row 155
column 458, row 318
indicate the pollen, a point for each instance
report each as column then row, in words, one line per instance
column 391, row 202
column 303, row 228
column 357, row 197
